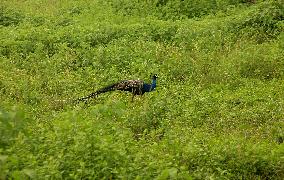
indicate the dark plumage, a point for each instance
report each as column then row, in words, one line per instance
column 136, row 87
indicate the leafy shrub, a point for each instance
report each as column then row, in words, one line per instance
column 11, row 124
column 262, row 23
column 9, row 17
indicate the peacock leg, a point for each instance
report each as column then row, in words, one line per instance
column 133, row 97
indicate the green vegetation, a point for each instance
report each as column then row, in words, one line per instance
column 217, row 113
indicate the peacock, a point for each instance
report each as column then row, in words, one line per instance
column 136, row 87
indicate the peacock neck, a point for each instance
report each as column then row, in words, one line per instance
column 153, row 85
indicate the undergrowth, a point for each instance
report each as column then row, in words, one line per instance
column 217, row 112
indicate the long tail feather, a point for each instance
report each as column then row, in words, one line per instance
column 95, row 94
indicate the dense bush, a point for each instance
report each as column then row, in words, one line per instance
column 175, row 9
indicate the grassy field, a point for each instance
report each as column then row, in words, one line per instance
column 217, row 112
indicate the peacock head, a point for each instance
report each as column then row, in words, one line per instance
column 154, row 77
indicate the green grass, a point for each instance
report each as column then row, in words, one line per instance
column 217, row 112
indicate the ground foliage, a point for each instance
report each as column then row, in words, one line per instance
column 217, row 112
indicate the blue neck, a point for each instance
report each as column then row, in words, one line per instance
column 149, row 87
column 153, row 85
